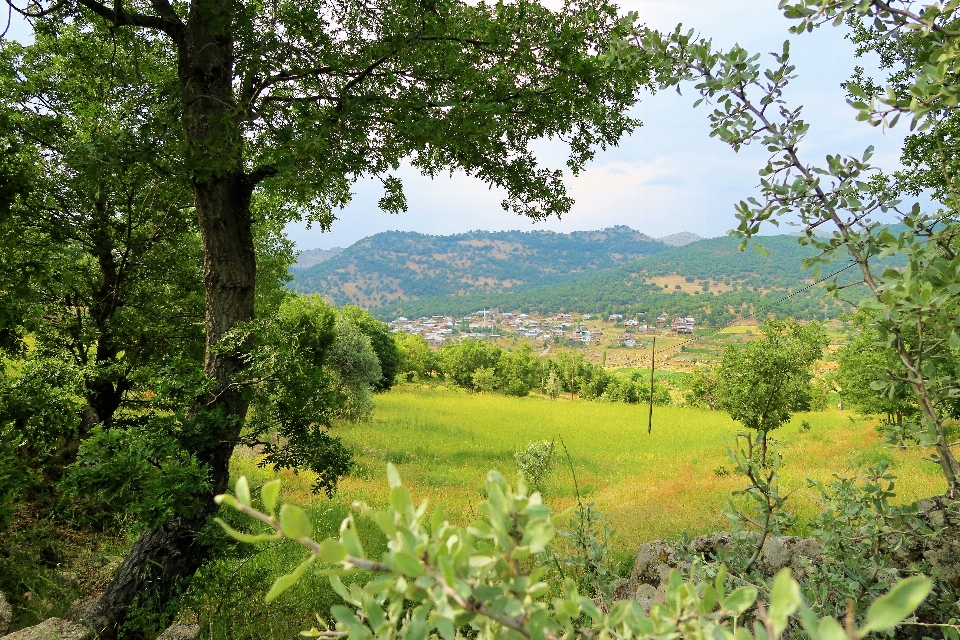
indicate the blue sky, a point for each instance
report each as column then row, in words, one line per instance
column 669, row 176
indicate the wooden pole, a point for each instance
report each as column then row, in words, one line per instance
column 653, row 363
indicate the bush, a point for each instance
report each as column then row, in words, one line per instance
column 535, row 462
column 439, row 580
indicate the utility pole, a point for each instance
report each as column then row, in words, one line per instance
column 653, row 363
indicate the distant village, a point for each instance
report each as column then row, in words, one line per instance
column 586, row 328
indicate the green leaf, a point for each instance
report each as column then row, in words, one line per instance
column 401, row 501
column 331, row 551
column 351, row 541
column 830, row 629
column 283, row 583
column 393, row 476
column 407, row 564
column 784, row 600
column 761, row 250
column 740, row 599
column 243, row 491
column 902, row 600
column 954, row 340
column 295, row 522
column 268, row 495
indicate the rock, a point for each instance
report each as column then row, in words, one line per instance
column 82, row 610
column 6, row 614
column 655, row 560
column 54, row 629
column 181, row 632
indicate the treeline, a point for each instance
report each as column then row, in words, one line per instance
column 482, row 367
column 634, row 297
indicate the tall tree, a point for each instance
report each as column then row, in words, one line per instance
column 299, row 99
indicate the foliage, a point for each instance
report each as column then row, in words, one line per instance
column 310, row 365
column 484, row 379
column 702, row 388
column 870, row 380
column 417, row 359
column 859, row 528
column 535, row 462
column 762, row 383
column 914, row 307
column 519, row 371
column 384, row 346
column 460, row 360
column 439, row 580
column 762, row 505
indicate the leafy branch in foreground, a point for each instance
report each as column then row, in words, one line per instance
column 440, row 580
column 914, row 309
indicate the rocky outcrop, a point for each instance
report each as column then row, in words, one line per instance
column 655, row 560
column 181, row 632
column 54, row 629
column 6, row 614
column 939, row 552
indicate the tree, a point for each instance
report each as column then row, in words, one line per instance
column 417, row 359
column 702, row 389
column 294, row 101
column 762, row 383
column 518, row 372
column 382, row 342
column 863, row 365
column 914, row 308
column 459, row 361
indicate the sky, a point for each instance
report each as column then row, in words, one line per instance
column 669, row 175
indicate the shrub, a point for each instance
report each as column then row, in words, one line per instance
column 438, row 580
column 535, row 462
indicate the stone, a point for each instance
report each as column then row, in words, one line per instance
column 82, row 610
column 181, row 632
column 6, row 614
column 646, row 596
column 54, row 629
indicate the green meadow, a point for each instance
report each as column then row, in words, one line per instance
column 657, row 485
column 444, row 440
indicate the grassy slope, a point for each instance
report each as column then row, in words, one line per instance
column 445, row 440
column 650, row 486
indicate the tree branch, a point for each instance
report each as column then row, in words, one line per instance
column 168, row 22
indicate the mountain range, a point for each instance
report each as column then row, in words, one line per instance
column 612, row 270
column 397, row 266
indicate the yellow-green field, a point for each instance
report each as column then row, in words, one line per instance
column 444, row 440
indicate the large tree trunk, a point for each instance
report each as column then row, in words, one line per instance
column 163, row 559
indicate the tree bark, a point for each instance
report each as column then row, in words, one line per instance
column 163, row 559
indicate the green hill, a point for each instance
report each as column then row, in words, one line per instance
column 710, row 279
column 395, row 266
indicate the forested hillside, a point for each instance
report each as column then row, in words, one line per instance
column 397, row 266
column 709, row 278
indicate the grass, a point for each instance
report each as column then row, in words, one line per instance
column 444, row 440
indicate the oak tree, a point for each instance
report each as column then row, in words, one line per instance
column 294, row 101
